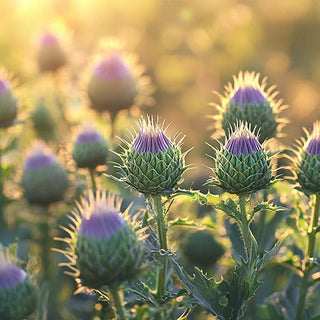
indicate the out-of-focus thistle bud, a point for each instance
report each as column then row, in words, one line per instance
column 43, row 122
column 18, row 295
column 90, row 148
column 307, row 162
column 44, row 180
column 50, row 55
column 105, row 249
column 202, row 249
column 151, row 162
column 249, row 100
column 242, row 165
column 8, row 102
column 112, row 85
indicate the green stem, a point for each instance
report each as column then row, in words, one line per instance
column 93, row 180
column 309, row 254
column 158, row 209
column 250, row 243
column 262, row 220
column 117, row 302
column 46, row 246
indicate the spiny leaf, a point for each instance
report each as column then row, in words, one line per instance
column 183, row 222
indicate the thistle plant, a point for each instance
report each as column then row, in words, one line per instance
column 44, row 180
column 90, row 150
column 307, row 178
column 105, row 246
column 8, row 114
column 249, row 99
column 153, row 164
column 51, row 55
column 18, row 294
column 242, row 167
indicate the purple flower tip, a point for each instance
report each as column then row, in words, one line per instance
column 247, row 94
column 243, row 141
column 39, row 157
column 10, row 274
column 4, row 86
column 112, row 67
column 102, row 220
column 313, row 143
column 88, row 134
column 49, row 39
column 151, row 138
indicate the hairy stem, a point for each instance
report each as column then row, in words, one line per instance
column 117, row 303
column 250, row 243
column 309, row 254
column 262, row 221
column 158, row 209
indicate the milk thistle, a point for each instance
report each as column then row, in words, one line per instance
column 242, row 165
column 18, row 294
column 307, row 178
column 248, row 99
column 105, row 245
column 44, row 180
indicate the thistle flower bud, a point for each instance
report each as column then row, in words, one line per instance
column 44, row 180
column 18, row 296
column 50, row 56
column 112, row 85
column 248, row 100
column 106, row 249
column 90, row 148
column 43, row 122
column 307, row 162
column 242, row 164
column 152, row 163
column 8, row 104
column 202, row 249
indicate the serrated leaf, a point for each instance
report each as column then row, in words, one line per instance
column 182, row 222
column 236, row 241
column 265, row 206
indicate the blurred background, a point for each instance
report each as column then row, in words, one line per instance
column 188, row 48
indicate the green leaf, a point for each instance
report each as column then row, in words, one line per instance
column 266, row 206
column 183, row 222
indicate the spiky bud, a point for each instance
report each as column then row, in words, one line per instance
column 112, row 85
column 202, row 249
column 151, row 162
column 90, row 148
column 43, row 122
column 248, row 100
column 8, row 104
column 242, row 165
column 307, row 162
column 18, row 295
column 106, row 249
column 44, row 180
column 50, row 56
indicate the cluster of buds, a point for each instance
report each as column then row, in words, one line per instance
column 242, row 165
column 50, row 56
column 90, row 148
column 250, row 101
column 18, row 295
column 112, row 85
column 151, row 162
column 105, row 248
column 44, row 180
column 307, row 162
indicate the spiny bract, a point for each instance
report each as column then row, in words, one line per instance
column 151, row 162
column 242, row 166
